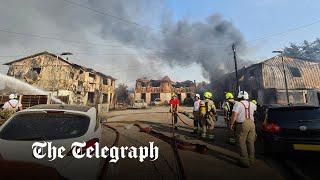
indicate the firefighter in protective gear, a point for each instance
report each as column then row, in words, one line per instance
column 243, row 120
column 227, row 112
column 207, row 115
column 174, row 106
column 196, row 114
column 11, row 106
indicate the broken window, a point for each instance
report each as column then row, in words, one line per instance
column 143, row 96
column 91, row 97
column 105, row 98
column 37, row 70
column 105, row 81
column 155, row 96
column 92, row 75
column 80, row 72
column 155, row 83
column 295, row 72
column 143, row 84
column 251, row 73
column 71, row 75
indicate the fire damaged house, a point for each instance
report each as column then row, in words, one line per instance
column 162, row 89
column 265, row 81
column 71, row 83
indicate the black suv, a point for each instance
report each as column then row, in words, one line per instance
column 289, row 128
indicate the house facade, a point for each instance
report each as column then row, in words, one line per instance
column 265, row 81
column 149, row 90
column 72, row 83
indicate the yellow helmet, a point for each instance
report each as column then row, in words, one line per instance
column 207, row 94
column 254, row 102
column 229, row 95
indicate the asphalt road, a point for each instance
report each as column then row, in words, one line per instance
column 219, row 163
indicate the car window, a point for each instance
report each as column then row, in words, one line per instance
column 285, row 115
column 43, row 126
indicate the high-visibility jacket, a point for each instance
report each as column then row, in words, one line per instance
column 207, row 106
column 227, row 108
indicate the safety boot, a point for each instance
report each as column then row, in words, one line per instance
column 251, row 160
column 244, row 162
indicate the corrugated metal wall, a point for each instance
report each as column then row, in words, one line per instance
column 273, row 76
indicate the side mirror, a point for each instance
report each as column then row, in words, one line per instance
column 103, row 120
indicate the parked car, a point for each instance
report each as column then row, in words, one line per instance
column 139, row 104
column 157, row 102
column 289, row 128
column 60, row 124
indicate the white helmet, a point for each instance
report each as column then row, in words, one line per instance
column 12, row 96
column 198, row 96
column 243, row 95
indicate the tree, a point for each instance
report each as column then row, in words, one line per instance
column 122, row 93
column 307, row 50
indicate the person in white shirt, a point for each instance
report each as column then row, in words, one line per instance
column 196, row 114
column 242, row 120
column 12, row 104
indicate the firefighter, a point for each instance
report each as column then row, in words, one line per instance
column 196, row 114
column 227, row 112
column 11, row 106
column 174, row 106
column 242, row 120
column 207, row 115
column 254, row 102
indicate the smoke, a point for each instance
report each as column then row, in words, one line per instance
column 115, row 46
column 207, row 43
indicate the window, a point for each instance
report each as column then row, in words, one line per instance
column 71, row 75
column 155, row 83
column 251, row 73
column 92, row 75
column 105, row 98
column 143, row 96
column 143, row 84
column 105, row 81
column 45, row 126
column 37, row 70
column 155, row 96
column 295, row 71
column 91, row 97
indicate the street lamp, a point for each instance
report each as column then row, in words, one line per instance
column 56, row 67
column 284, row 73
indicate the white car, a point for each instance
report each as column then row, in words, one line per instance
column 60, row 124
column 139, row 104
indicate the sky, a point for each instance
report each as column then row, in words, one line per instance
column 258, row 26
column 257, row 19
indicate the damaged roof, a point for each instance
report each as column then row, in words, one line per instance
column 61, row 59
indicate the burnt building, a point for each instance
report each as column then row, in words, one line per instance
column 72, row 83
column 265, row 81
column 162, row 89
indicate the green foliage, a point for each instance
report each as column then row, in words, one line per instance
column 306, row 50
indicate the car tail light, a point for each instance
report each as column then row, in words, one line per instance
column 89, row 143
column 271, row 128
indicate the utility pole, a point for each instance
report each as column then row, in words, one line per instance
column 284, row 74
column 285, row 79
column 235, row 66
